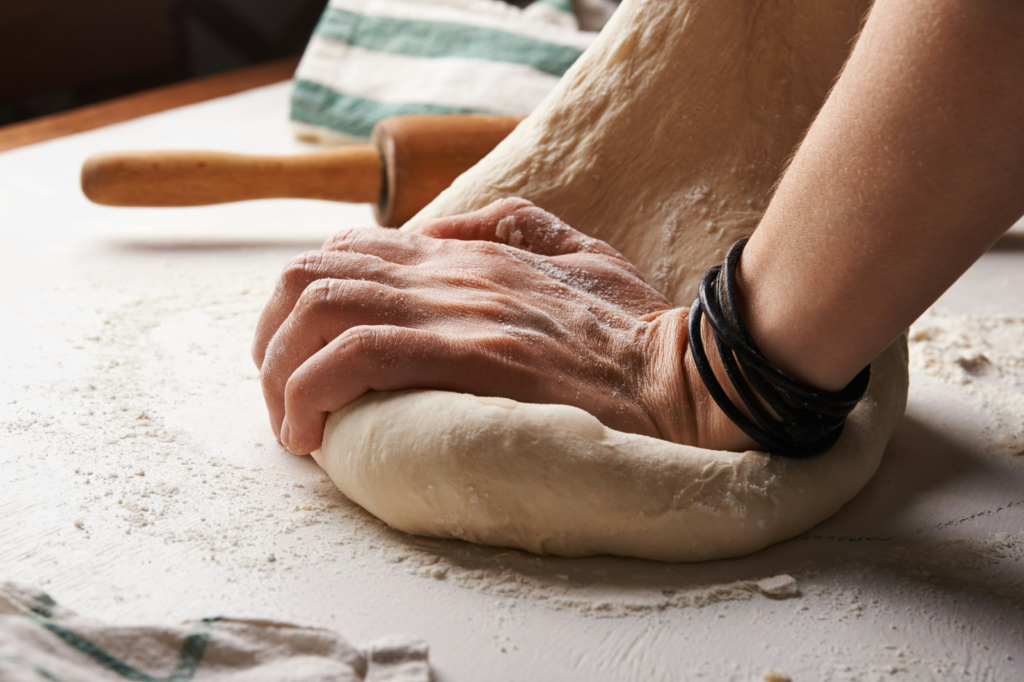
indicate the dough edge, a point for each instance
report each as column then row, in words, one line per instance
column 551, row 479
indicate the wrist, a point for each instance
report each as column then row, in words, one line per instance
column 715, row 430
column 677, row 400
column 784, row 414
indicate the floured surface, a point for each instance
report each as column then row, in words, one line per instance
column 919, row 577
column 982, row 356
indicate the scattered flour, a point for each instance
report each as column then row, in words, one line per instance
column 983, row 356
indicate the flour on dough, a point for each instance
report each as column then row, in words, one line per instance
column 664, row 140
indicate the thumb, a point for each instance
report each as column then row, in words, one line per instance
column 517, row 223
column 480, row 225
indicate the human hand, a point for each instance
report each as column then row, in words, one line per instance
column 506, row 301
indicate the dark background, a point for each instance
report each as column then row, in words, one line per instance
column 60, row 54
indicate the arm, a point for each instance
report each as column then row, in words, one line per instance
column 912, row 169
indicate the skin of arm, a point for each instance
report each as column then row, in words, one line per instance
column 914, row 166
column 912, row 169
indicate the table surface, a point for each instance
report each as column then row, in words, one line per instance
column 141, row 481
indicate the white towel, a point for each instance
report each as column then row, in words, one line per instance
column 371, row 59
column 40, row 640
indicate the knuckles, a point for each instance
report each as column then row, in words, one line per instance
column 319, row 300
column 316, row 296
column 332, row 297
column 301, row 270
column 343, row 240
column 484, row 249
column 363, row 341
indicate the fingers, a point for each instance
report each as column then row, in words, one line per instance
column 306, row 269
column 326, row 309
column 380, row 358
column 392, row 245
column 534, row 229
column 378, row 255
column 356, row 253
column 520, row 224
column 480, row 225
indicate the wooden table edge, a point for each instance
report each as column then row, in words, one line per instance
column 144, row 103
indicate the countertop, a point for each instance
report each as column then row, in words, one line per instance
column 140, row 480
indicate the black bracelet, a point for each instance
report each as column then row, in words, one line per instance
column 806, row 421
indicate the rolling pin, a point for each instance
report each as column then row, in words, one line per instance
column 409, row 161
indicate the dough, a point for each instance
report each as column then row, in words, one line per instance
column 664, row 140
column 552, row 479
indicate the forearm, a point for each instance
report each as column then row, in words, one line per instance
column 914, row 166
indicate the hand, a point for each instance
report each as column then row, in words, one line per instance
column 507, row 301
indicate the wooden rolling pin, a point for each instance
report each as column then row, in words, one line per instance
column 409, row 161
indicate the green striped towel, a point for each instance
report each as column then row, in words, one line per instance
column 370, row 59
column 40, row 640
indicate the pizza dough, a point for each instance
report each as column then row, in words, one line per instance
column 664, row 140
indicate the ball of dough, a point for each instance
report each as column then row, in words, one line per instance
column 551, row 479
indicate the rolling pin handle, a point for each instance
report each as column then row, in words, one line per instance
column 197, row 178
column 411, row 159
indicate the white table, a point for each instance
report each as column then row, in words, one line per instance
column 140, row 481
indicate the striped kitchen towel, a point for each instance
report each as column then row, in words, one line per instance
column 40, row 640
column 371, row 59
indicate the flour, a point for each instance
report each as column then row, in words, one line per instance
column 598, row 587
column 982, row 356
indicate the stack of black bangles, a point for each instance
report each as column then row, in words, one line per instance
column 806, row 421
